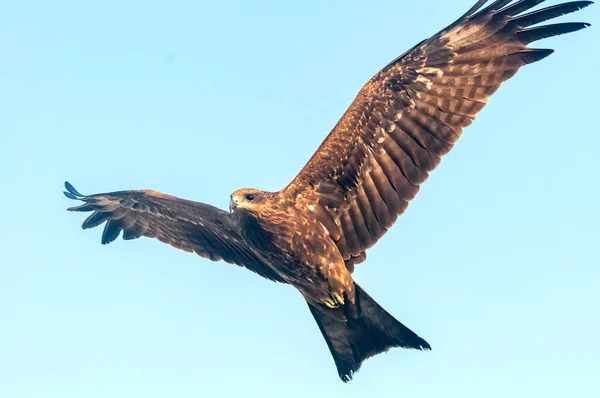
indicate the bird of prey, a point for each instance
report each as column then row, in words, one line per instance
column 313, row 232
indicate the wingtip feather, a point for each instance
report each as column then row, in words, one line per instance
column 71, row 192
column 530, row 56
column 70, row 195
column 111, row 232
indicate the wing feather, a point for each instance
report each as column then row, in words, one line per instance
column 411, row 113
column 380, row 209
column 375, row 228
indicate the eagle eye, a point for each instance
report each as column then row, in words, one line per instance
column 249, row 197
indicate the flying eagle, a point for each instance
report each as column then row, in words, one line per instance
column 313, row 232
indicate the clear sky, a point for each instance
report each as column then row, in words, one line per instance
column 496, row 263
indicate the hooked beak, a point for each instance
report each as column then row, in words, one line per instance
column 233, row 203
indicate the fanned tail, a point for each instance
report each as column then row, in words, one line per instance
column 371, row 332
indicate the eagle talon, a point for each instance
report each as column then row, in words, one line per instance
column 329, row 302
column 338, row 298
column 335, row 300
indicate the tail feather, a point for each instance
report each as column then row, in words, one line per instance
column 372, row 331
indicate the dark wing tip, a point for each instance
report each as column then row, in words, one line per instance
column 71, row 192
column 74, row 194
column 70, row 195
column 111, row 232
column 530, row 56
column 583, row 4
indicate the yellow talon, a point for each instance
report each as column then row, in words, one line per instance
column 329, row 303
column 338, row 298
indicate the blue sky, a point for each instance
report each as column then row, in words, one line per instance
column 496, row 262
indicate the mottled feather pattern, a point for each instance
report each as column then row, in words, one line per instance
column 411, row 113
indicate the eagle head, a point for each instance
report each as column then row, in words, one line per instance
column 249, row 199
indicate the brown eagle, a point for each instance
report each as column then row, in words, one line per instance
column 313, row 232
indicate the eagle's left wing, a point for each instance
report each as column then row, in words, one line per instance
column 184, row 224
column 411, row 113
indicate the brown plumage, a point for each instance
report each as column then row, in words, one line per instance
column 312, row 233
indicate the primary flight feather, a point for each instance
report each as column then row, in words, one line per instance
column 362, row 177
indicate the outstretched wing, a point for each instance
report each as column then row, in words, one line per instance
column 186, row 225
column 411, row 113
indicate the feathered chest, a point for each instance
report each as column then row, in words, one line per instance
column 289, row 237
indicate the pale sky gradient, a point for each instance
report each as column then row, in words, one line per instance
column 496, row 263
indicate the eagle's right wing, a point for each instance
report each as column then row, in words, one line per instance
column 186, row 225
column 411, row 113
